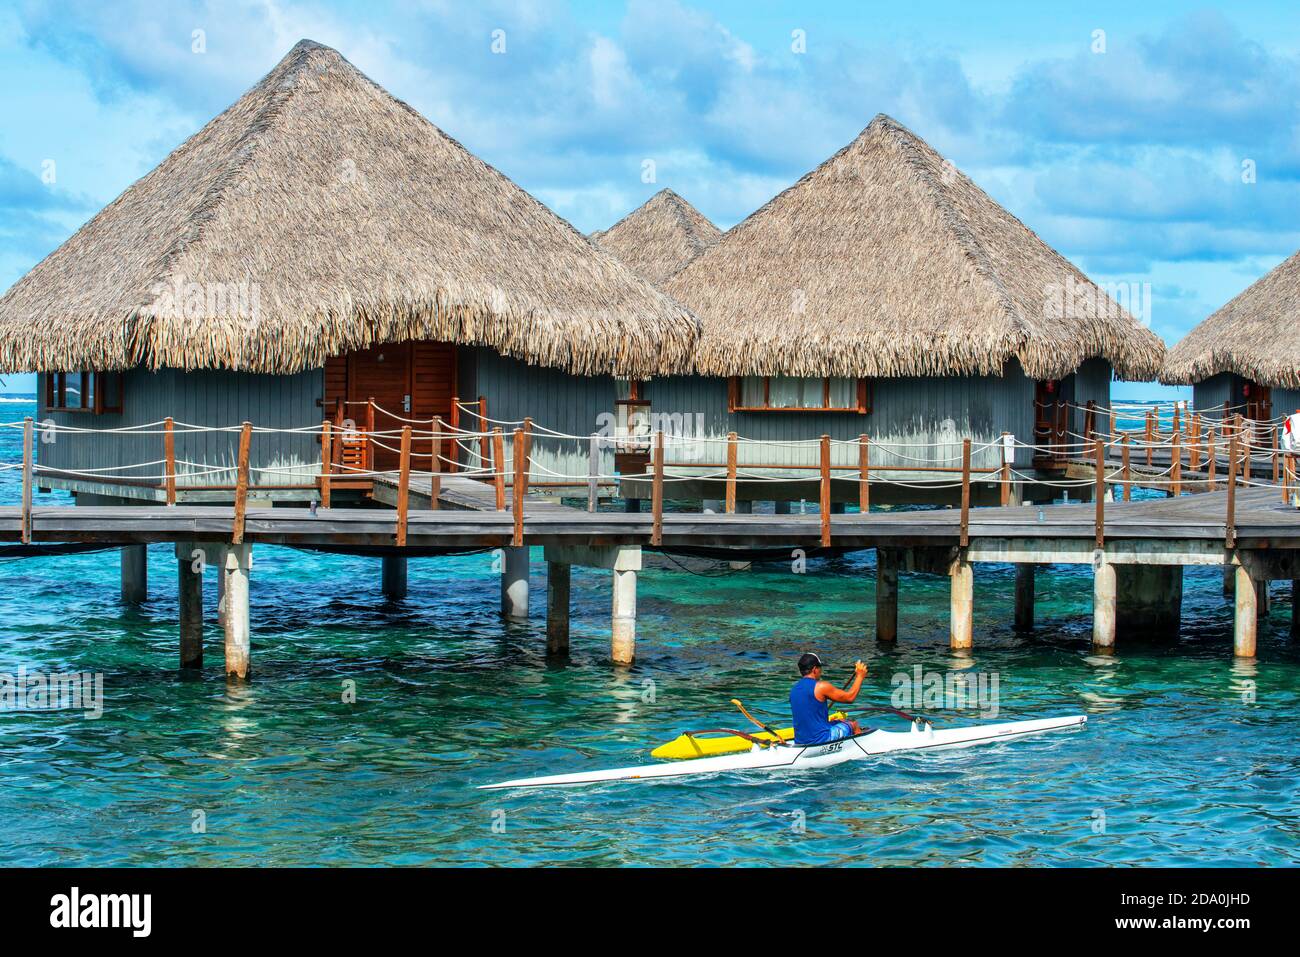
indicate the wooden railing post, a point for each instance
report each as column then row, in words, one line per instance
column 1178, row 422
column 499, row 467
column 1230, row 521
column 453, row 447
column 1177, row 473
column 518, row 487
column 241, row 483
column 1274, row 431
column 1113, row 423
column 593, row 471
column 1128, row 475
column 964, row 535
column 1150, row 435
column 1099, row 492
column 864, row 474
column 528, row 448
column 28, row 469
column 730, row 504
column 826, row 490
column 1005, row 497
column 169, row 454
column 484, row 443
column 657, row 492
column 1211, row 457
column 370, row 435
column 403, row 484
column 1195, row 458
column 435, row 463
column 326, row 460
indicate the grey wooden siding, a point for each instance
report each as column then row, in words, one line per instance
column 911, row 411
column 1211, row 393
column 203, row 398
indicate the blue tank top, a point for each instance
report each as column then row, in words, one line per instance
column 811, row 726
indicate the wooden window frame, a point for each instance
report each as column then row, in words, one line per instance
column 863, row 406
column 56, row 391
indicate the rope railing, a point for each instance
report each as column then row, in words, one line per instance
column 352, row 453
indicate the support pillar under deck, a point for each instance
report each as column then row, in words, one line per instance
column 236, row 568
column 557, row 608
column 135, row 574
column 393, row 576
column 1246, row 613
column 886, row 595
column 1103, row 606
column 623, row 623
column 1149, row 600
column 190, row 595
column 1025, row 574
column 514, row 582
column 962, row 604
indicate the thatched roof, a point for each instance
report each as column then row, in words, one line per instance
column 1251, row 335
column 887, row 261
column 319, row 214
column 659, row 237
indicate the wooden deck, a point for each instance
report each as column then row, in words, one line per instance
column 1263, row 521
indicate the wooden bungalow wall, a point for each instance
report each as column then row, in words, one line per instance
column 204, row 398
column 911, row 411
column 1226, row 387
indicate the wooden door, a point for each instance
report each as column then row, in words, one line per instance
column 1051, row 422
column 382, row 373
column 1259, row 402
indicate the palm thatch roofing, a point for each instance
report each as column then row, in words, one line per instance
column 317, row 215
column 1251, row 335
column 887, row 261
column 659, row 237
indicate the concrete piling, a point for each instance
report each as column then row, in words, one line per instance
column 886, row 595
column 514, row 582
column 1103, row 606
column 393, row 577
column 962, row 604
column 135, row 574
column 557, row 608
column 1025, row 575
column 190, row 599
column 236, row 570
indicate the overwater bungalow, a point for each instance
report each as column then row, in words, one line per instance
column 660, row 236
column 1241, row 359
column 317, row 246
column 886, row 295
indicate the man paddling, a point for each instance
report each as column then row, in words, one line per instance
column 810, row 700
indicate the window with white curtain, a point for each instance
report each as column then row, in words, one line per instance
column 799, row 393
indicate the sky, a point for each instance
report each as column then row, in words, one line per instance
column 1155, row 145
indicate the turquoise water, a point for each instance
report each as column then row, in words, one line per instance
column 1188, row 757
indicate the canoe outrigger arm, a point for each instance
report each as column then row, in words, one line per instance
column 753, row 739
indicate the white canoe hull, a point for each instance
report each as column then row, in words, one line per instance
column 797, row 757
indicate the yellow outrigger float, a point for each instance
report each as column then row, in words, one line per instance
column 693, row 744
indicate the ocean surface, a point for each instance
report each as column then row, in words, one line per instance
column 1188, row 758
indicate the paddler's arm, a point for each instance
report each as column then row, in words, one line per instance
column 826, row 691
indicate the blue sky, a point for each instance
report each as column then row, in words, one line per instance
column 1129, row 161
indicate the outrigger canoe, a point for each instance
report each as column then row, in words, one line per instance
column 765, row 754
